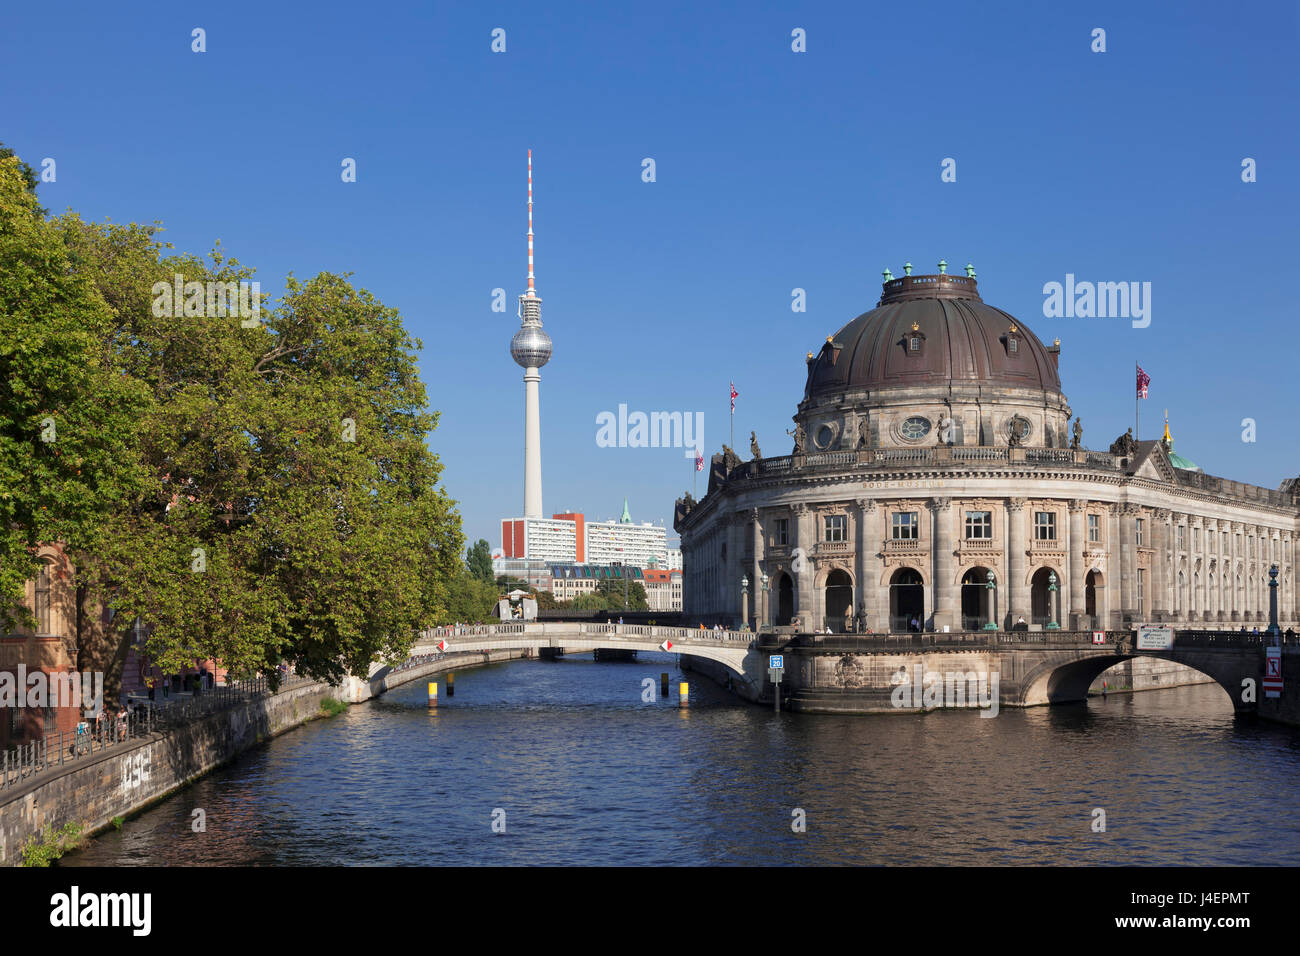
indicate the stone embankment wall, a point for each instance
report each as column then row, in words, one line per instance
column 124, row 779
column 1147, row 673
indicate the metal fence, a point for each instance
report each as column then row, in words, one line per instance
column 54, row 750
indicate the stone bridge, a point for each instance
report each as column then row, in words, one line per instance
column 855, row 674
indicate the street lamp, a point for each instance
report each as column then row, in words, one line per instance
column 1273, row 626
column 1053, row 596
column 767, row 607
column 993, row 604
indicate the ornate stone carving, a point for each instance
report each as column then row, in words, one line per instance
column 1077, row 504
column 1015, row 504
column 865, row 505
column 850, row 671
column 800, row 439
column 1076, row 442
column 864, row 433
column 939, row 505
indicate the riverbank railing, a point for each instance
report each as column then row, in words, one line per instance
column 53, row 750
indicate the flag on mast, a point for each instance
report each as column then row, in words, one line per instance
column 699, row 460
column 1143, row 382
column 734, row 393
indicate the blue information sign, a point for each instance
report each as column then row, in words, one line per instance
column 776, row 660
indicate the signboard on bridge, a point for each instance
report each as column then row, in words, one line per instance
column 1272, row 672
column 776, row 661
column 1155, row 638
column 666, row 646
column 441, row 645
column 1099, row 637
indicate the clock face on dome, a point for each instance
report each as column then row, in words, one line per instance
column 915, row 428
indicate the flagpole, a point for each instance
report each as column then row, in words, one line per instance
column 731, row 388
column 1137, row 398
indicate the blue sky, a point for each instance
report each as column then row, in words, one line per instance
column 775, row 170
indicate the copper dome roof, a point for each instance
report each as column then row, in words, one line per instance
column 963, row 341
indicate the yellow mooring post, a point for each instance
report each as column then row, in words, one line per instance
column 683, row 694
column 433, row 695
column 663, row 684
column 451, row 685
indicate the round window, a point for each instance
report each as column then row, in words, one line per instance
column 825, row 435
column 915, row 428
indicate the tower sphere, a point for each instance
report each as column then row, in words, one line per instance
column 531, row 346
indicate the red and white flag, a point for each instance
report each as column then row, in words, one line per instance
column 734, row 393
column 1144, row 381
column 699, row 460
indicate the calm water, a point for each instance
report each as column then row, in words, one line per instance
column 587, row 773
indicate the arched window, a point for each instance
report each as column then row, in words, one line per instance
column 44, row 609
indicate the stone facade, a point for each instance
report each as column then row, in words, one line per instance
column 946, row 491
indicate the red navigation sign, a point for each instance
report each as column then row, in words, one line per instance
column 441, row 645
column 666, row 646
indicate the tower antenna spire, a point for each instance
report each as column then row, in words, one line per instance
column 531, row 293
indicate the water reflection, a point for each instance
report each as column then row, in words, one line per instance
column 588, row 773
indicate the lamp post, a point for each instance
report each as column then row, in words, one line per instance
column 744, row 598
column 993, row 604
column 767, row 607
column 1272, row 606
column 1053, row 599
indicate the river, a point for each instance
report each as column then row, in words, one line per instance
column 579, row 770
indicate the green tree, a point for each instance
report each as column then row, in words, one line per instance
column 479, row 559
column 468, row 600
column 507, row 583
column 67, row 419
column 633, row 599
column 291, row 510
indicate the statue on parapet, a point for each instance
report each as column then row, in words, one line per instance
column 730, row 460
column 800, row 439
column 1125, row 445
column 753, row 446
column 864, row 438
column 1076, row 442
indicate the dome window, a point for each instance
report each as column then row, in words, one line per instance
column 1012, row 340
column 915, row 340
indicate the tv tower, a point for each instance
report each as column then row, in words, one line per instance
column 531, row 348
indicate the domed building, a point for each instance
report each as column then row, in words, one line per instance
column 936, row 483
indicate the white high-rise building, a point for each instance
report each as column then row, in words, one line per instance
column 531, row 348
column 622, row 542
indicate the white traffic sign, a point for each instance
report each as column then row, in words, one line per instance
column 1272, row 671
column 1099, row 637
column 442, row 645
column 666, row 646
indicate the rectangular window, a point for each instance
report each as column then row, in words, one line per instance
column 1225, row 542
column 782, row 534
column 1011, row 346
column 1196, row 539
column 904, row 526
column 979, row 525
column 1044, row 526
column 1180, row 538
column 1139, row 594
column 1094, row 528
column 836, row 528
column 1141, row 522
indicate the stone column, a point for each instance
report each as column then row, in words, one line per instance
column 1075, row 566
column 864, row 548
column 941, row 534
column 1128, row 564
column 1017, row 588
column 1114, row 583
column 756, row 572
column 802, row 566
column 1160, row 566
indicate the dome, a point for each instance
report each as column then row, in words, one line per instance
column 932, row 330
column 531, row 346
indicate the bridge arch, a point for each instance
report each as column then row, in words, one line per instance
column 1064, row 676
